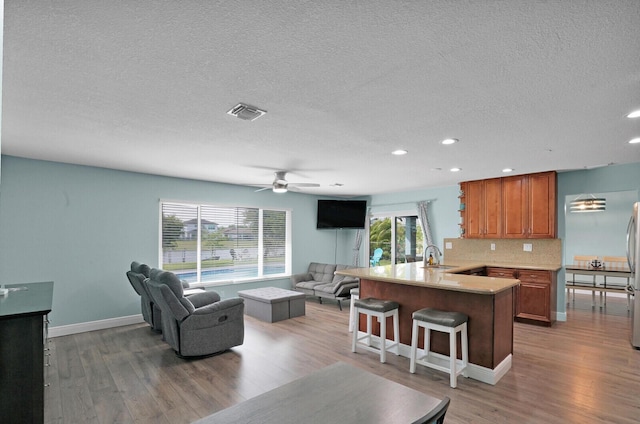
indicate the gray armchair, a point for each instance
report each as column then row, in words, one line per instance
column 199, row 325
column 150, row 312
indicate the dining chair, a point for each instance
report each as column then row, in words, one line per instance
column 616, row 263
column 582, row 261
column 437, row 415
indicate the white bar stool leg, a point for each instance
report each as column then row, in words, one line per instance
column 414, row 346
column 465, row 351
column 396, row 331
column 383, row 338
column 453, row 357
column 356, row 312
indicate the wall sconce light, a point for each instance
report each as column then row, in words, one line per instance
column 588, row 204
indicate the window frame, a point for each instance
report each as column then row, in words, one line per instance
column 260, row 245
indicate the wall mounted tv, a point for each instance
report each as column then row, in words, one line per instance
column 334, row 214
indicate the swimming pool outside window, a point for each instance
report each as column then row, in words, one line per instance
column 207, row 243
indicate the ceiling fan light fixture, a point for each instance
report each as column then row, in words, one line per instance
column 280, row 187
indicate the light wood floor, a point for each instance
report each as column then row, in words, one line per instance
column 580, row 371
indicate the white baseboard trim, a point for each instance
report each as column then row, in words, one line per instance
column 485, row 375
column 66, row 330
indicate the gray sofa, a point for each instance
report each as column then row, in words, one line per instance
column 320, row 281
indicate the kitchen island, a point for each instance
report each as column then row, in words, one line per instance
column 488, row 301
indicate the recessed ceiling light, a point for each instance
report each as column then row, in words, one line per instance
column 634, row 114
column 399, row 152
column 635, row 141
column 449, row 141
column 336, row 185
column 507, row 170
column 455, row 169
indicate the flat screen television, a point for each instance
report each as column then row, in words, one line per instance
column 334, row 214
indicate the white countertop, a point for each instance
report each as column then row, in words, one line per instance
column 415, row 274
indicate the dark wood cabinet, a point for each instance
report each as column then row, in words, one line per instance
column 22, row 329
column 535, row 298
column 522, row 206
column 502, row 272
column 483, row 208
column 529, row 206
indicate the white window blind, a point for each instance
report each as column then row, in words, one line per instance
column 205, row 243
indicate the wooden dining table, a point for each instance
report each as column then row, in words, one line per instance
column 594, row 285
column 339, row 393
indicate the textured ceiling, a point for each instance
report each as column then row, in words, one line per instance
column 145, row 85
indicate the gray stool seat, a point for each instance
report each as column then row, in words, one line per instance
column 381, row 310
column 376, row 305
column 452, row 323
column 355, row 291
column 444, row 318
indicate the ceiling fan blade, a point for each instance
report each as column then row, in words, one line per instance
column 304, row 185
column 262, row 189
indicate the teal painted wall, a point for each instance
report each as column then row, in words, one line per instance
column 614, row 179
column 82, row 226
column 599, row 233
column 443, row 208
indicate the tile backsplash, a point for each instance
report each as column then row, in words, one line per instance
column 542, row 251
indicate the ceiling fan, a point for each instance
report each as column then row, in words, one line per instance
column 281, row 185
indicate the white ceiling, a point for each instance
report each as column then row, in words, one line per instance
column 145, row 85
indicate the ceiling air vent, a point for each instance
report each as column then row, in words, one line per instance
column 246, row 112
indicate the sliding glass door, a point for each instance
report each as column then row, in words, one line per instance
column 398, row 235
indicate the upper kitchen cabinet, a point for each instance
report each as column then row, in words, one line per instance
column 483, row 208
column 529, row 206
column 522, row 206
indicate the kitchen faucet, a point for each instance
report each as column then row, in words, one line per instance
column 437, row 252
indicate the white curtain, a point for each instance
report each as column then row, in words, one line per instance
column 356, row 248
column 423, row 214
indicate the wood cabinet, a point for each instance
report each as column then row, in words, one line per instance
column 535, row 298
column 529, row 206
column 483, row 208
column 502, row 272
column 522, row 206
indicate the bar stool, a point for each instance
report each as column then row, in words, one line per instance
column 446, row 322
column 381, row 309
column 355, row 295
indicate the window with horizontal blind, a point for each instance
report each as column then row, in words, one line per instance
column 207, row 243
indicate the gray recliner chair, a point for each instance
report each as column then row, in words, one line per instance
column 199, row 325
column 150, row 312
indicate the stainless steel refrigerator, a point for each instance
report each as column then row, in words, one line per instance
column 633, row 257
